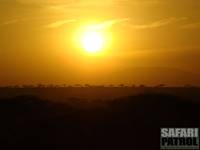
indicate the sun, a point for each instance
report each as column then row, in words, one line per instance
column 93, row 41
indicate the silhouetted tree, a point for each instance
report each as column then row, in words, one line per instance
column 40, row 85
column 142, row 86
column 161, row 85
column 121, row 85
column 87, row 85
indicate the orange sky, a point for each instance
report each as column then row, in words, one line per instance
column 153, row 42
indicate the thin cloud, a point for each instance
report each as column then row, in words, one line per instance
column 158, row 24
column 147, row 2
column 59, row 23
column 108, row 24
column 44, row 1
column 83, row 3
column 9, row 22
column 191, row 26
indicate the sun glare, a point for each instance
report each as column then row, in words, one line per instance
column 92, row 41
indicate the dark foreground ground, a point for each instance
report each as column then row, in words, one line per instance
column 133, row 122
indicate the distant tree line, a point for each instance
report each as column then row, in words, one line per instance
column 40, row 85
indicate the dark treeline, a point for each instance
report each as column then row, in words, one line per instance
column 60, row 93
column 132, row 122
column 40, row 85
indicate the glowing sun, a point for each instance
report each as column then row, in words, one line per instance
column 93, row 41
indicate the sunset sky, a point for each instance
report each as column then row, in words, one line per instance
column 146, row 42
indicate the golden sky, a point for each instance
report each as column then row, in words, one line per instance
column 153, row 42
